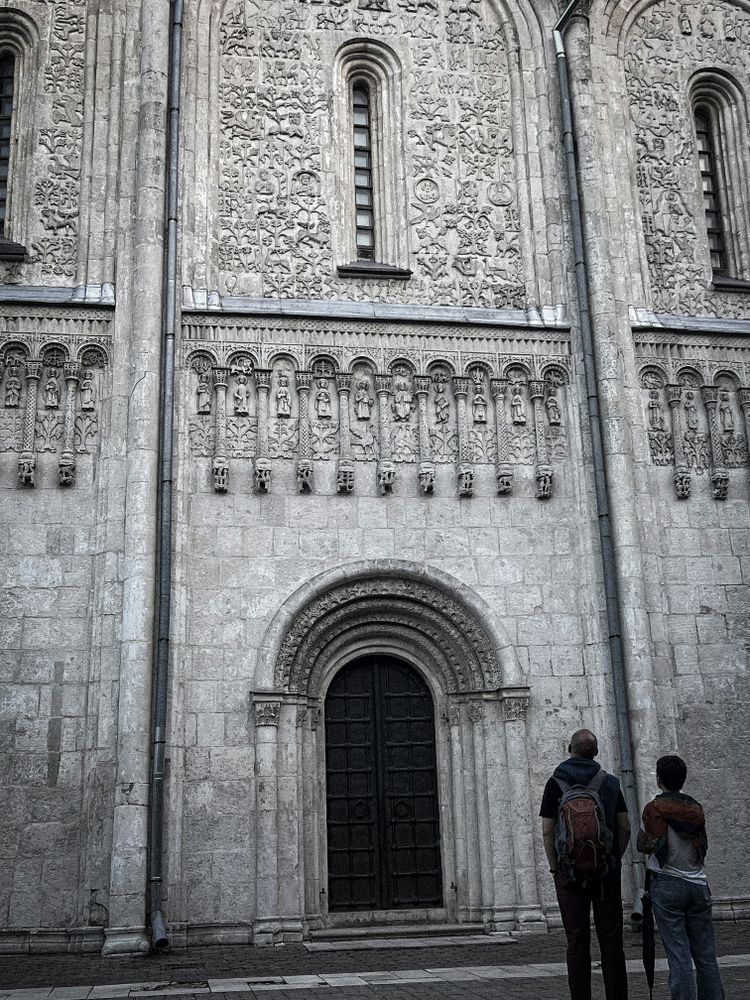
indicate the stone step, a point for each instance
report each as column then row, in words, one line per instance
column 395, row 931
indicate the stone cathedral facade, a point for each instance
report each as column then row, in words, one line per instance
column 386, row 607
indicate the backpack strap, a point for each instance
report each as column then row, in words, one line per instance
column 563, row 785
column 598, row 780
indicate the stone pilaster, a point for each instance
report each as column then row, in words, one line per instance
column 543, row 472
column 719, row 474
column 262, row 462
column 220, row 465
column 66, row 469
column 386, row 468
column 426, row 466
column 345, row 468
column 27, row 458
column 465, row 468
column 681, row 476
column 503, row 469
column 304, row 462
column 267, row 711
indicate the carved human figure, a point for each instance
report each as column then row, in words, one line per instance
column 283, row 397
column 87, row 391
column 204, row 393
column 655, row 413
column 517, row 408
column 362, row 401
column 442, row 405
column 403, row 399
column 479, row 405
column 12, row 389
column 726, row 416
column 554, row 414
column 241, row 397
column 691, row 412
column 52, row 391
column 323, row 400
column 686, row 26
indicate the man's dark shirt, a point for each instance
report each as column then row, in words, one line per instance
column 580, row 771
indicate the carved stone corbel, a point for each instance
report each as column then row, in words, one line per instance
column 220, row 466
column 503, row 469
column 465, row 467
column 543, row 468
column 262, row 461
column 681, row 476
column 719, row 474
column 515, row 704
column 27, row 458
column 66, row 469
column 267, row 713
column 304, row 462
column 386, row 468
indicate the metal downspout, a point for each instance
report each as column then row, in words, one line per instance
column 159, row 939
column 609, row 563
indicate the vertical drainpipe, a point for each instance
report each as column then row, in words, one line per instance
column 609, row 563
column 159, row 939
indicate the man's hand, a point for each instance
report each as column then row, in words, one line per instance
column 644, row 843
column 548, row 834
column 623, row 831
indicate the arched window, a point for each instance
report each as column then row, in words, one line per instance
column 713, row 189
column 7, row 87
column 363, row 172
column 371, row 227
column 719, row 122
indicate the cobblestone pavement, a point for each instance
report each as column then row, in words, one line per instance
column 531, row 967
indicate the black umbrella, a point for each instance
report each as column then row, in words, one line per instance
column 649, row 944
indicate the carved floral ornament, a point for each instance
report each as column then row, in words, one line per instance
column 698, row 421
column 49, row 403
column 504, row 415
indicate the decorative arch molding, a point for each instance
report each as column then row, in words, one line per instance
column 391, row 602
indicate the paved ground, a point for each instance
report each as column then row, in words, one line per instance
column 530, row 968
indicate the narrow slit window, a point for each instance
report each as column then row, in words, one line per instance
column 7, row 77
column 364, row 205
column 704, row 133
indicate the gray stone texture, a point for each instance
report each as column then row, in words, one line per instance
column 418, row 394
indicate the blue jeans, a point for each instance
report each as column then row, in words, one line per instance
column 683, row 916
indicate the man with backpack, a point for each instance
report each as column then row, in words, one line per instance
column 586, row 831
column 674, row 837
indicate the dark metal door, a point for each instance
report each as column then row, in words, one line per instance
column 383, row 825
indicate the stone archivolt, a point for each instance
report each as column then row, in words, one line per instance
column 390, row 407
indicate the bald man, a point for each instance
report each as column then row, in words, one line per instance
column 577, row 895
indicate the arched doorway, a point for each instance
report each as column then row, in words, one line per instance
column 381, row 788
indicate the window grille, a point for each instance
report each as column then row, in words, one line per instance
column 363, row 172
column 704, row 132
column 7, row 75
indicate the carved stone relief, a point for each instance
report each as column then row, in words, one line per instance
column 405, row 414
column 668, row 42
column 44, row 409
column 277, row 183
column 696, row 409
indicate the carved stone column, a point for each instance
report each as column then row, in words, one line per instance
column 220, row 466
column 476, row 715
column 743, row 395
column 515, row 705
column 267, row 920
column 503, row 469
column 681, row 476
column 345, row 469
column 426, row 465
column 27, row 458
column 543, row 467
column 66, row 469
column 262, row 461
column 461, row 886
column 304, row 461
column 719, row 474
column 386, row 468
column 465, row 468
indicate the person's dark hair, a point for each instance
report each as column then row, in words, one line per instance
column 583, row 744
column 671, row 772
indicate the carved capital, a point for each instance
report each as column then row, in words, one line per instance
column 382, row 384
column 66, row 469
column 504, row 479
column 536, row 388
column 263, row 379
column 422, row 384
column 304, row 381
column 343, row 381
column 262, row 475
column 221, row 377
column 543, row 482
column 72, row 371
column 34, row 370
column 427, row 478
column 682, row 483
column 27, row 469
column 720, row 484
column 710, row 394
column 460, row 387
column 267, row 713
column 515, row 705
column 498, row 387
column 476, row 711
column 386, row 477
column 305, row 475
column 674, row 394
column 743, row 395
